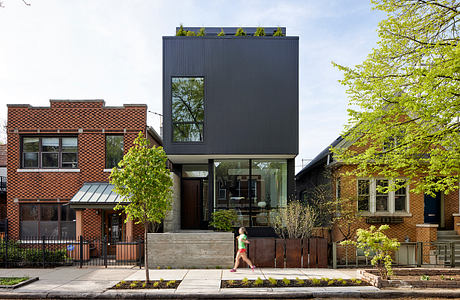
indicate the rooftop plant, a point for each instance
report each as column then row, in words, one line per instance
column 278, row 32
column 181, row 31
column 201, row 32
column 260, row 31
column 240, row 32
column 190, row 33
column 221, row 33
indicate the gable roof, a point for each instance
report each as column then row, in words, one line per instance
column 319, row 158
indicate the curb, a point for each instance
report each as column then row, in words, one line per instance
column 382, row 294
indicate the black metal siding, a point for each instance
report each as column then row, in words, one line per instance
column 251, row 93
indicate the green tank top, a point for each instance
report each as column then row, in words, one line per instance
column 241, row 244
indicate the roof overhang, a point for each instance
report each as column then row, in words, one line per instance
column 201, row 159
column 98, row 195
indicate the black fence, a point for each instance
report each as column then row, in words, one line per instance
column 44, row 252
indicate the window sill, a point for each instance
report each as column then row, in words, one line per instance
column 48, row 170
column 386, row 214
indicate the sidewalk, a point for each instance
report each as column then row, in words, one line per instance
column 71, row 282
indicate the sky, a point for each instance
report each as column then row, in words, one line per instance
column 112, row 50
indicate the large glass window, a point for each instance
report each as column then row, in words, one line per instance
column 252, row 187
column 187, row 94
column 50, row 152
column 381, row 198
column 49, row 220
column 374, row 196
column 401, row 197
column 363, row 194
column 113, row 150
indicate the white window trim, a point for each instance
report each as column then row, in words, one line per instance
column 391, row 199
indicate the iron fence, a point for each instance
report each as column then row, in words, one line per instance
column 410, row 254
column 51, row 252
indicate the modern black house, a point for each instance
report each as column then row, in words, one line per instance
column 230, row 107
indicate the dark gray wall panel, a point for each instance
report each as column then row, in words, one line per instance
column 251, row 93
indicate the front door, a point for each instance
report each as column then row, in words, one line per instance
column 190, row 204
column 113, row 230
column 432, row 211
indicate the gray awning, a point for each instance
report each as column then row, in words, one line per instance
column 95, row 195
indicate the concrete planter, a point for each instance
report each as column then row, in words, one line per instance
column 191, row 249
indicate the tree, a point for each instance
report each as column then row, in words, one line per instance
column 144, row 182
column 404, row 117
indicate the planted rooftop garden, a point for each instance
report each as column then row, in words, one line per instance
column 259, row 32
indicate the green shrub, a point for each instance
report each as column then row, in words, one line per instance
column 331, row 282
column 278, row 32
column 299, row 281
column 240, row 32
column 224, row 220
column 170, row 283
column 382, row 247
column 258, row 281
column 144, row 285
column 201, row 32
column 245, row 281
column 424, row 277
column 156, row 284
column 190, row 33
column 286, row 281
column 161, row 280
column 231, row 282
column 272, row 280
column 133, row 285
column 221, row 33
column 315, row 281
column 181, row 31
column 260, row 31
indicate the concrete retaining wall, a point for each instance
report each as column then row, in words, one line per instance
column 191, row 249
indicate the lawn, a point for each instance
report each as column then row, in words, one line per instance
column 12, row 280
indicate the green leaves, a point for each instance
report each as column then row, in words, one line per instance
column 408, row 87
column 144, row 181
column 223, row 220
column 221, row 33
column 260, row 31
column 278, row 32
column 376, row 244
column 240, row 32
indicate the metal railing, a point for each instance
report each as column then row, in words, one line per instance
column 3, row 183
column 410, row 254
column 51, row 252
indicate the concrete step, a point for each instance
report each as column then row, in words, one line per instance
column 446, row 232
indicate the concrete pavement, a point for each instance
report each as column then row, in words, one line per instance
column 71, row 282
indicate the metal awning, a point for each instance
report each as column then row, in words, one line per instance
column 95, row 195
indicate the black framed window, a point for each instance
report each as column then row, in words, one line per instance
column 113, row 150
column 364, row 195
column 49, row 220
column 50, row 152
column 187, row 95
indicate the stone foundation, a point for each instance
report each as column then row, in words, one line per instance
column 191, row 249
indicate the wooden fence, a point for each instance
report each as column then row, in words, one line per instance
column 288, row 253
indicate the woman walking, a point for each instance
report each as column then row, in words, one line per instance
column 242, row 252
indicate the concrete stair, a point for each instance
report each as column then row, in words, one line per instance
column 449, row 236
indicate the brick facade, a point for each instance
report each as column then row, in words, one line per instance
column 90, row 121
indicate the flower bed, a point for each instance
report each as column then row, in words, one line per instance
column 273, row 283
column 417, row 278
column 15, row 282
column 141, row 284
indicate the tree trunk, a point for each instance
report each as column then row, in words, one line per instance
column 146, row 256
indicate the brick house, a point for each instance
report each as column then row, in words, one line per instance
column 411, row 216
column 65, row 152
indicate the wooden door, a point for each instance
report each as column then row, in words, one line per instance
column 190, row 205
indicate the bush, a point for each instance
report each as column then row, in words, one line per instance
column 375, row 241
column 240, row 32
column 221, row 33
column 181, row 31
column 295, row 221
column 190, row 33
column 278, row 32
column 259, row 31
column 201, row 32
column 223, row 220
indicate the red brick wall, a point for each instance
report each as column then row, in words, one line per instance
column 416, row 209
column 90, row 121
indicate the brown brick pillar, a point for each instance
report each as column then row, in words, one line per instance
column 78, row 223
column 457, row 222
column 427, row 233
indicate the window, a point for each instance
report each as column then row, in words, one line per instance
column 374, row 197
column 381, row 198
column 50, row 152
column 194, row 171
column 113, row 150
column 187, row 95
column 338, row 189
column 401, row 197
column 252, row 187
column 363, row 195
column 49, row 220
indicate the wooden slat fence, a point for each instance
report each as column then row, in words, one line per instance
column 288, row 253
